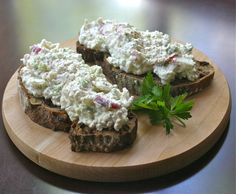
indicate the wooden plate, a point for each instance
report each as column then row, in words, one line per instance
column 152, row 154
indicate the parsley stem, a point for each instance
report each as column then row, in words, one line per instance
column 180, row 120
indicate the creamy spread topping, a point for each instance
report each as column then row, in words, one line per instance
column 47, row 68
column 95, row 101
column 138, row 52
column 61, row 75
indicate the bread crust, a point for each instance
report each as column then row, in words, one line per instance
column 84, row 138
column 42, row 111
column 132, row 82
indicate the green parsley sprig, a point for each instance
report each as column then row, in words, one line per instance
column 160, row 105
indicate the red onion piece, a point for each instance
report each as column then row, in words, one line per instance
column 36, row 49
column 106, row 103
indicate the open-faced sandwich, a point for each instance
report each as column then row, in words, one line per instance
column 59, row 91
column 92, row 102
column 127, row 54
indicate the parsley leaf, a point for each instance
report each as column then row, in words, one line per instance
column 160, row 105
column 148, row 84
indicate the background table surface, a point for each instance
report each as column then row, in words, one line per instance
column 209, row 25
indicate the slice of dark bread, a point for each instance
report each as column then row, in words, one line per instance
column 42, row 111
column 84, row 138
column 90, row 55
column 132, row 82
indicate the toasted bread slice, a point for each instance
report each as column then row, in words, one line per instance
column 84, row 138
column 132, row 82
column 42, row 111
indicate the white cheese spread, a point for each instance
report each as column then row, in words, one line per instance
column 95, row 101
column 138, row 52
column 61, row 75
column 47, row 68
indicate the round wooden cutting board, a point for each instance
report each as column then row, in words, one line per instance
column 153, row 153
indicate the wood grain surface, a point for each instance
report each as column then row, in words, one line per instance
column 153, row 153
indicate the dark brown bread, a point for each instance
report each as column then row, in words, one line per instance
column 84, row 138
column 90, row 55
column 42, row 111
column 132, row 82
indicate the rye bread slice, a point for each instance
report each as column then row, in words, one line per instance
column 90, row 55
column 84, row 138
column 42, row 111
column 132, row 82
